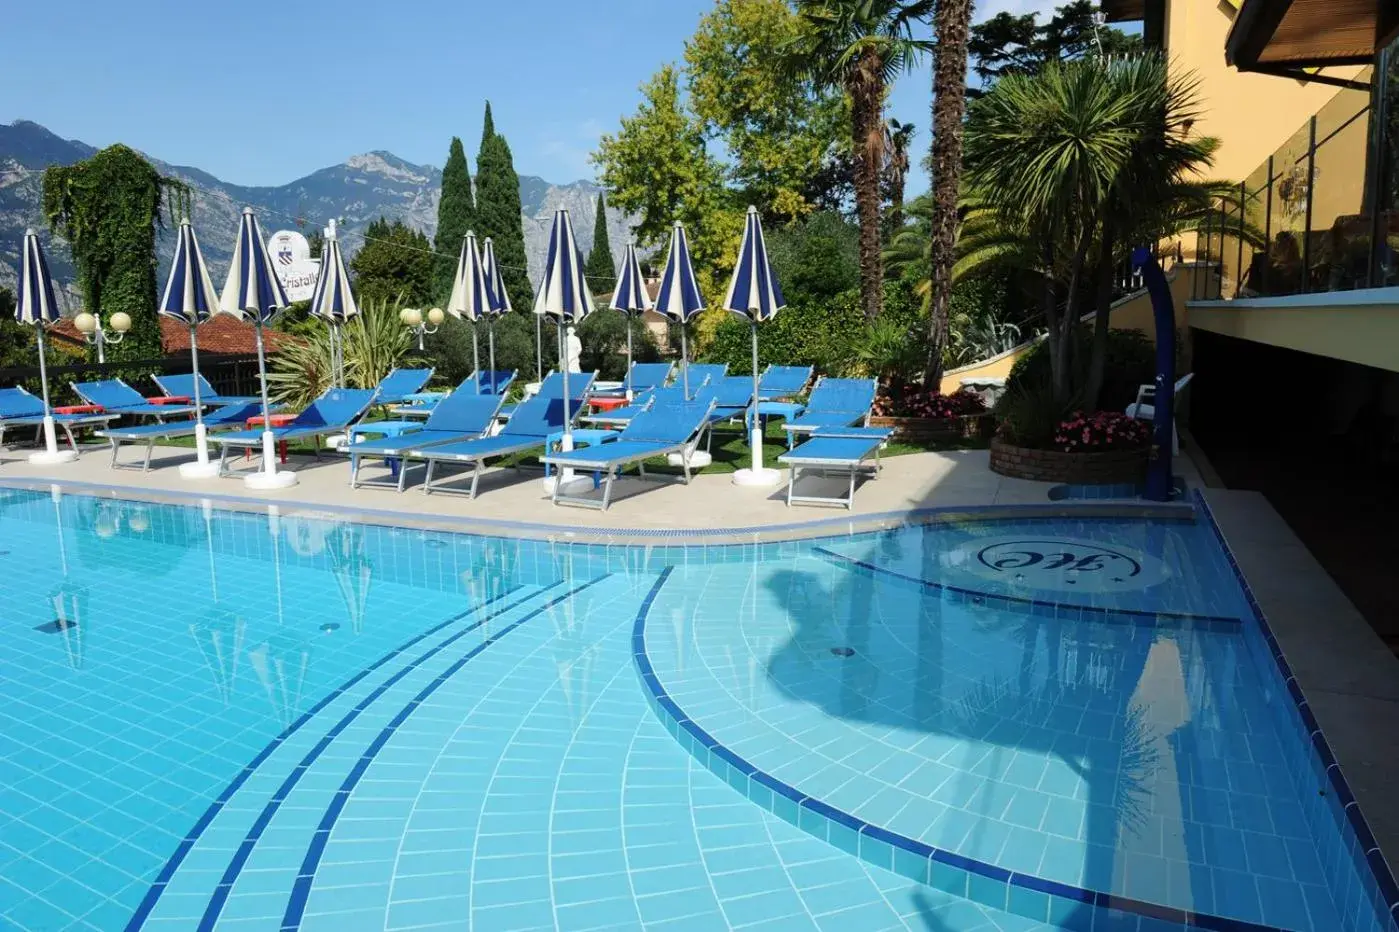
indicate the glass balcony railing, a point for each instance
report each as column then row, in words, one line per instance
column 1305, row 221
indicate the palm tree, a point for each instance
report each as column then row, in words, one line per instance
column 952, row 25
column 897, row 137
column 860, row 47
column 1087, row 158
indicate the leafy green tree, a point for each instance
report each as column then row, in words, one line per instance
column 600, row 272
column 16, row 340
column 1008, row 44
column 952, row 22
column 456, row 212
column 781, row 130
column 499, row 214
column 316, row 241
column 657, row 167
column 815, row 259
column 860, row 47
column 1081, row 160
column 897, row 139
column 395, row 265
column 604, row 339
column 108, row 208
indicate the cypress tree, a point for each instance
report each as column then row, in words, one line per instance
column 600, row 272
column 456, row 212
column 498, row 212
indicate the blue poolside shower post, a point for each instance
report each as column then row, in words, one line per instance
column 1158, row 470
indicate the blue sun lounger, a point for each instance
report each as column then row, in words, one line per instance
column 833, row 403
column 181, row 385
column 19, row 408
column 778, row 382
column 660, row 430
column 116, row 397
column 618, row 418
column 227, row 417
column 462, row 415
column 642, row 377
column 702, row 374
column 395, row 387
column 485, row 382
column 331, row 413
column 534, row 421
column 835, row 451
column 580, row 386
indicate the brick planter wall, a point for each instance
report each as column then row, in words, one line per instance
column 1112, row 466
column 930, row 429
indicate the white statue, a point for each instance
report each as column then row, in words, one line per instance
column 575, row 351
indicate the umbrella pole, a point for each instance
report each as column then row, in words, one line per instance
column 684, row 360
column 538, row 348
column 201, row 440
column 565, row 475
column 755, row 438
column 626, row 383
column 267, row 476
column 50, row 439
column 490, row 337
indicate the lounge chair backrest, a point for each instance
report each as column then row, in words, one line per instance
column 233, row 414
column 667, row 423
column 552, row 386
column 668, row 395
column 336, row 408
column 842, row 396
column 580, row 385
column 464, row 412
column 400, row 382
column 490, row 381
column 17, row 402
column 536, row 417
column 112, row 394
column 733, row 391
column 702, row 372
column 785, row 380
column 181, row 385
column 645, row 375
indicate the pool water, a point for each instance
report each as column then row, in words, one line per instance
column 233, row 720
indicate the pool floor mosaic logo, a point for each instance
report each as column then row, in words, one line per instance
column 1058, row 563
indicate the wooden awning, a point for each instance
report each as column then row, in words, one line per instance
column 1123, row 11
column 1282, row 36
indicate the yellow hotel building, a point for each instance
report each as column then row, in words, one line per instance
column 1292, row 329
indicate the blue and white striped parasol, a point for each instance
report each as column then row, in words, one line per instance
column 564, row 296
column 502, row 305
column 253, row 290
column 679, row 297
column 631, row 298
column 190, row 298
column 38, row 308
column 754, row 293
column 332, row 301
column 472, row 295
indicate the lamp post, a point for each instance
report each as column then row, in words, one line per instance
column 412, row 318
column 90, row 326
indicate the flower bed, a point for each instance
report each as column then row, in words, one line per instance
column 934, row 429
column 923, row 417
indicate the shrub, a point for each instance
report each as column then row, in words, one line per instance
column 827, row 335
column 1130, row 363
column 1105, row 430
column 909, row 400
column 1028, row 414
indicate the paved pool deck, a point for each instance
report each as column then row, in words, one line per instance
column 1347, row 674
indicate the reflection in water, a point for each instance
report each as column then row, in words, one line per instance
column 280, row 663
column 70, row 617
column 349, row 563
column 219, row 636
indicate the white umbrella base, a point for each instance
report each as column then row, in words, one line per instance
column 698, row 459
column 198, row 470
column 757, row 477
column 572, row 483
column 263, row 481
column 52, row 457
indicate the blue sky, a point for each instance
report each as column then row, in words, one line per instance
column 262, row 93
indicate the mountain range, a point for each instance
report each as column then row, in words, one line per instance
column 355, row 192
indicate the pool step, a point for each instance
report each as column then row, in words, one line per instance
column 265, row 820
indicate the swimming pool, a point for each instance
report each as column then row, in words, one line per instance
column 229, row 719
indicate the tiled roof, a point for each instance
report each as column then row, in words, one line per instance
column 224, row 334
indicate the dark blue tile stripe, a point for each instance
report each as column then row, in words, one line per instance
column 301, row 888
column 1085, row 612
column 671, row 714
column 172, row 864
column 1380, row 870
